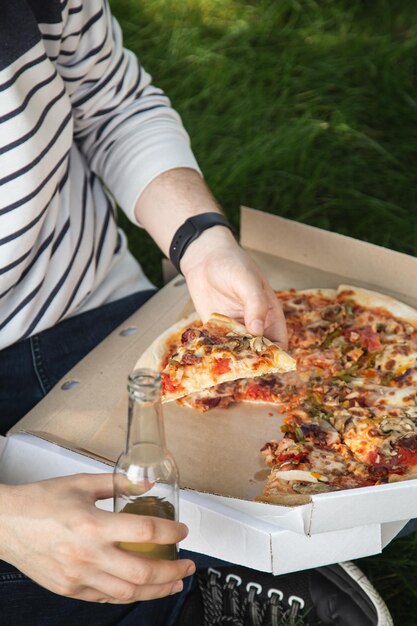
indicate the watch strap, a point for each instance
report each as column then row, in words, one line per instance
column 191, row 230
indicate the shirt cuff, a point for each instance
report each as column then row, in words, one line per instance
column 131, row 175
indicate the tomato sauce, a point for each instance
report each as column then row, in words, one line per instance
column 407, row 457
column 167, row 384
column 221, row 367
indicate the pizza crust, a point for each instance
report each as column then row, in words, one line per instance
column 396, row 478
column 153, row 356
column 327, row 293
column 286, row 499
column 374, row 299
column 222, row 321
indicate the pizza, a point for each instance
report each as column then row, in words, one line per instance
column 269, row 388
column 350, row 409
column 192, row 356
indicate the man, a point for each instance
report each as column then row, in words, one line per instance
column 81, row 123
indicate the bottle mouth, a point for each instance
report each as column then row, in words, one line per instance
column 144, row 383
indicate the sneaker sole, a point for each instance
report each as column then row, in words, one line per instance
column 383, row 614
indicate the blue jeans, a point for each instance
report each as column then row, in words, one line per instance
column 24, row 603
column 28, row 371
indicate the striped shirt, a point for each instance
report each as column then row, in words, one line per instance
column 80, row 124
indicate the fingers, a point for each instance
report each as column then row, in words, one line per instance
column 275, row 325
column 141, row 571
column 255, row 304
column 112, row 590
column 232, row 284
column 263, row 313
column 153, row 592
column 96, row 486
column 128, row 528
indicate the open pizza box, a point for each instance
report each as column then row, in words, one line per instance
column 217, row 452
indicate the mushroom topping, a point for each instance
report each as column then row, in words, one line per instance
column 237, row 344
column 259, row 343
column 411, row 412
column 332, row 312
column 341, row 419
column 392, row 327
column 234, row 344
column 401, row 425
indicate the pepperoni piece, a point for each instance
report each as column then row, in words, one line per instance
column 370, row 339
column 210, row 403
column 410, row 443
column 190, row 358
column 407, row 457
column 189, row 335
column 293, row 457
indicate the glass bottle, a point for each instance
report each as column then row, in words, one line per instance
column 146, row 476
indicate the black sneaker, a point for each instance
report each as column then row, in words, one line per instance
column 339, row 595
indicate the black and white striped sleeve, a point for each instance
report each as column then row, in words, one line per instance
column 124, row 126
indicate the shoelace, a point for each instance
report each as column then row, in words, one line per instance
column 223, row 604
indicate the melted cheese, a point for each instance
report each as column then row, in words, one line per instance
column 395, row 353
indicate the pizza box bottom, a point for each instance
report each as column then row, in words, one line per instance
column 217, row 452
column 216, row 529
column 228, row 463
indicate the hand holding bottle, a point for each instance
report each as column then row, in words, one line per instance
column 146, row 480
column 53, row 532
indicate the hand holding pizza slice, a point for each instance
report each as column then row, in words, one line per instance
column 193, row 356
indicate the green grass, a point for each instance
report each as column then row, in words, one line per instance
column 306, row 109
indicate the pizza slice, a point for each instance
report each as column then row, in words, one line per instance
column 280, row 389
column 384, row 437
column 220, row 396
column 193, row 356
column 311, row 459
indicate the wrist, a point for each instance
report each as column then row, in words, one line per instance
column 191, row 230
column 207, row 243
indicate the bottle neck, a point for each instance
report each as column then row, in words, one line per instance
column 145, row 423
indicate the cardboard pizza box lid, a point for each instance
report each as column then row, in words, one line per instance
column 218, row 452
column 301, row 256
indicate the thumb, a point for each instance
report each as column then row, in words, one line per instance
column 255, row 325
column 276, row 328
column 255, row 307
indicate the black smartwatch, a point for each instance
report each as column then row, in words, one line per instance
column 190, row 230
